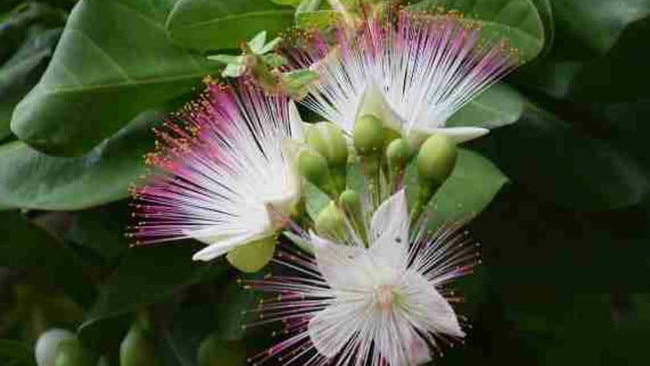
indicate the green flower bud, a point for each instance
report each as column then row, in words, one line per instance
column 436, row 159
column 47, row 346
column 313, row 166
column 330, row 222
column 215, row 351
column 71, row 353
column 103, row 361
column 253, row 256
column 137, row 348
column 398, row 153
column 327, row 139
column 368, row 135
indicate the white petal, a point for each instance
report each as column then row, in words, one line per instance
column 462, row 134
column 389, row 231
column 373, row 101
column 336, row 261
column 428, row 309
column 222, row 247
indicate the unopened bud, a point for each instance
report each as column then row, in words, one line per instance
column 398, row 153
column 137, row 348
column 71, row 353
column 253, row 256
column 327, row 139
column 368, row 135
column 313, row 166
column 436, row 159
column 215, row 351
column 330, row 223
column 47, row 346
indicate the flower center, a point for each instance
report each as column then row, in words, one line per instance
column 385, row 297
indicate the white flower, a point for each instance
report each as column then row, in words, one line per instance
column 382, row 305
column 413, row 74
column 229, row 174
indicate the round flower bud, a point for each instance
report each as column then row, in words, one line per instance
column 368, row 135
column 71, row 353
column 330, row 222
column 47, row 346
column 398, row 153
column 215, row 351
column 137, row 349
column 436, row 159
column 313, row 166
column 326, row 138
column 254, row 256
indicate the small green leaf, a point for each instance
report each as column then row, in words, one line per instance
column 257, row 43
column 319, row 19
column 227, row 59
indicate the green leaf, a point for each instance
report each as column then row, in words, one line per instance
column 219, row 24
column 114, row 60
column 562, row 165
column 597, row 23
column 23, row 70
column 518, row 21
column 13, row 353
column 31, row 179
column 293, row 3
column 473, row 184
column 29, row 248
column 148, row 275
column 101, row 229
column 498, row 106
column 620, row 75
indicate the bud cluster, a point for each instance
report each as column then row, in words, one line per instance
column 383, row 156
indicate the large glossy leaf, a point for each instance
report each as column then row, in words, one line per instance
column 598, row 23
column 23, row 70
column 31, row 249
column 216, row 24
column 148, row 275
column 557, row 162
column 31, row 179
column 115, row 59
column 473, row 184
column 619, row 75
column 518, row 21
column 500, row 105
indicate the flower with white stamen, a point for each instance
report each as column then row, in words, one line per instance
column 227, row 172
column 413, row 72
column 385, row 304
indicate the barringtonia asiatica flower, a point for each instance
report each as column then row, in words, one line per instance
column 385, row 304
column 227, row 173
column 412, row 71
